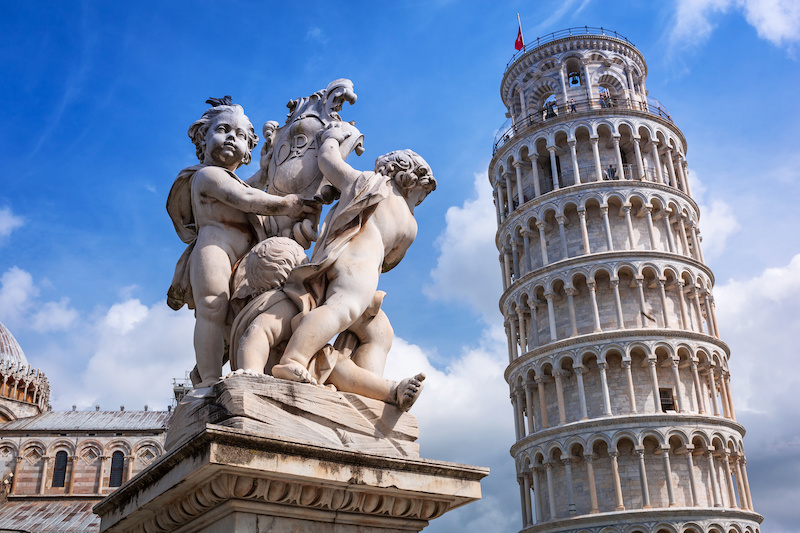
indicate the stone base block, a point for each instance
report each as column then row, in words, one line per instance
column 230, row 478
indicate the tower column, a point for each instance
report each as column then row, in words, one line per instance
column 744, row 504
column 607, row 227
column 682, row 303
column 512, row 324
column 517, row 429
column 592, row 285
column 618, row 303
column 712, row 473
column 626, row 209
column 574, row 153
column 746, row 484
column 584, row 231
column 651, row 361
column 620, row 167
column 553, row 166
column 551, row 315
column 648, row 213
column 642, row 303
column 523, row 500
column 497, row 206
column 509, row 193
column 596, row 153
column 542, row 401
column 682, row 227
column 581, row 391
column 709, row 321
column 668, row 227
column 537, row 189
column 589, row 458
column 523, row 341
column 518, row 170
column 534, row 322
column 515, row 259
column 693, row 502
column 626, row 364
column 671, row 169
column 643, row 480
column 678, row 392
column 617, row 484
column 562, row 220
column 656, row 160
column 701, row 408
column 726, row 464
column 573, row 321
column 529, row 406
column 526, row 250
column 604, row 384
column 548, row 468
column 713, row 390
column 543, row 242
column 558, row 375
column 642, row 173
column 537, row 494
column 668, row 475
column 567, row 460
column 663, row 294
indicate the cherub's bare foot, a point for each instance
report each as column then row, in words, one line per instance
column 408, row 390
column 293, row 371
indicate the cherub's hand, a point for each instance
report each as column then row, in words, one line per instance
column 334, row 131
column 298, row 207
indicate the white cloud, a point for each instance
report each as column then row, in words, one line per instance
column 17, row 292
column 777, row 21
column 20, row 308
column 465, row 416
column 54, row 316
column 468, row 269
column 135, row 351
column 718, row 222
column 759, row 319
column 9, row 222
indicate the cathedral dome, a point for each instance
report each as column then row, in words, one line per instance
column 10, row 350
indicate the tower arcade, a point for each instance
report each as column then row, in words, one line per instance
column 619, row 378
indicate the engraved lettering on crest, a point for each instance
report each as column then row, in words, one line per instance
column 293, row 147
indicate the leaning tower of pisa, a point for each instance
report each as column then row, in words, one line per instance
column 618, row 375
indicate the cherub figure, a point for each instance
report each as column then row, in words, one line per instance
column 215, row 213
column 261, row 329
column 367, row 232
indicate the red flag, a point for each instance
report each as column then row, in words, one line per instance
column 519, row 44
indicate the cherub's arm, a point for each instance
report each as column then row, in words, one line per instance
column 340, row 174
column 216, row 183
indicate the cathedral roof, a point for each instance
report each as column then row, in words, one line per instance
column 10, row 350
column 63, row 421
column 49, row 516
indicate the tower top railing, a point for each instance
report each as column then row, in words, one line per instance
column 561, row 34
column 511, row 129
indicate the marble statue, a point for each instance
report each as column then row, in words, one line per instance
column 215, row 213
column 258, row 299
column 260, row 331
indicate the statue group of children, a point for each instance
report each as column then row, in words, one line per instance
column 257, row 296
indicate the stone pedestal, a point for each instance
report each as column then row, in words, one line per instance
column 238, row 474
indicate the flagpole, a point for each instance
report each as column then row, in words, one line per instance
column 520, row 27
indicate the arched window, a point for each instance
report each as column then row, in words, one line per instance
column 60, row 469
column 117, row 461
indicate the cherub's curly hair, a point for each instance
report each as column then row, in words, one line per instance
column 270, row 261
column 407, row 169
column 198, row 130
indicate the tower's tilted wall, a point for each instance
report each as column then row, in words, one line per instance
column 618, row 375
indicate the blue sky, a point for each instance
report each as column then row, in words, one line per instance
column 98, row 98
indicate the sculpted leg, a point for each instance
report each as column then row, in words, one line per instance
column 210, row 273
column 376, row 335
column 348, row 377
column 349, row 294
column 265, row 332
